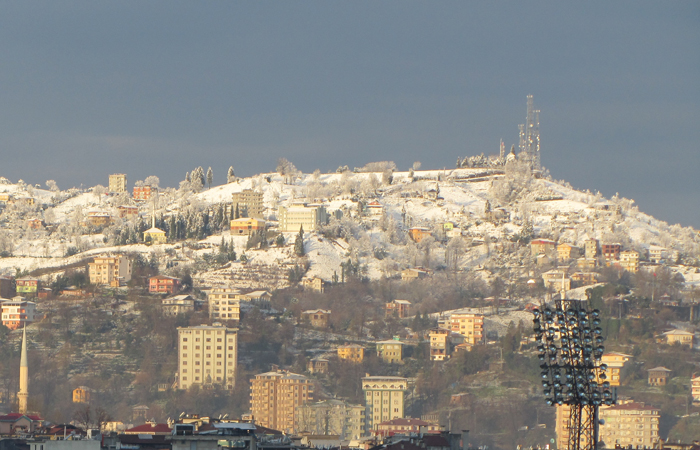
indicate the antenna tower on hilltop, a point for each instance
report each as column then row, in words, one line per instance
column 530, row 136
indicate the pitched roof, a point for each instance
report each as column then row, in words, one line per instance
column 149, row 428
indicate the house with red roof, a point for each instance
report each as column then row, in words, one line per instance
column 15, row 423
column 154, row 429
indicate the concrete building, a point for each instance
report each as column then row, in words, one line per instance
column 110, row 270
column 27, row 285
column 224, row 304
column 406, row 426
column 695, row 388
column 656, row 254
column 162, row 284
column 629, row 424
column 143, row 193
column 82, row 394
column 397, row 308
column 99, row 219
column 249, row 203
column 566, row 252
column 658, row 376
column 312, row 284
column 384, row 399
column 590, row 248
column 351, row 352
column 543, row 247
column 275, row 396
column 317, row 365
column 127, row 211
column 561, row 426
column 629, row 260
column 17, row 312
column 611, row 252
column 331, row 417
column 557, row 280
column 414, row 273
column 117, row 182
column 440, row 344
column 679, row 336
column 207, row 355
column 618, row 364
column 296, row 216
column 390, row 351
column 471, row 326
column 246, row 226
column 178, row 304
column 318, row 318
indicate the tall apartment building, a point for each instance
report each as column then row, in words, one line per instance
column 294, row 217
column 611, row 252
column 117, row 182
column 629, row 424
column 207, row 355
column 143, row 193
column 275, row 397
column 590, row 248
column 110, row 270
column 249, row 203
column 439, row 344
column 471, row 326
column 224, row 304
column 629, row 260
column 331, row 417
column 17, row 312
column 384, row 399
column 561, row 426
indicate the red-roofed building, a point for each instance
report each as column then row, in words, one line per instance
column 154, row 429
column 14, row 423
column 161, row 284
column 405, row 426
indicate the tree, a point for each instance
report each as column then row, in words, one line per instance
column 280, row 240
column 51, row 184
column 210, row 177
column 299, row 243
column 230, row 176
column 152, row 181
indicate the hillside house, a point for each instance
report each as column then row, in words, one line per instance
column 82, row 394
column 390, row 351
column 374, row 209
column 629, row 260
column 656, row 254
column 248, row 203
column 566, row 252
column 178, row 304
column 317, row 365
column 99, row 219
column 397, row 308
column 261, row 299
column 590, row 248
column 143, row 193
column 440, row 343
column 27, row 285
column 544, row 247
column 586, row 264
column 619, row 365
column 17, row 312
column 679, row 336
column 584, row 278
column 414, row 273
column 154, row 235
column 418, row 233
column 127, row 211
column 312, row 284
column 318, row 318
column 658, row 376
column 35, row 224
column 351, row 352
column 301, row 215
column 611, row 252
column 246, row 226
column 162, row 284
column 110, row 270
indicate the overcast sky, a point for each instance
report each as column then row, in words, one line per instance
column 158, row 88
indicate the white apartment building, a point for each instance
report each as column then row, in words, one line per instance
column 298, row 215
column 384, row 399
column 207, row 355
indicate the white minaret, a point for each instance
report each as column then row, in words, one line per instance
column 23, row 393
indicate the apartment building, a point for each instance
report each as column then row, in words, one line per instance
column 543, row 247
column 390, row 351
column 384, row 399
column 318, row 318
column 618, row 364
column 629, row 424
column 471, row 326
column 439, row 344
column 331, row 417
column 590, row 248
column 143, row 193
column 178, row 304
column 695, row 388
column 561, row 426
column 275, row 396
column 207, row 355
column 127, row 211
column 312, row 284
column 162, row 284
column 301, row 215
column 566, row 252
column 27, row 285
column 629, row 260
column 246, row 226
column 110, row 270
column 249, row 203
column 224, row 304
column 117, row 182
column 419, row 233
column 611, row 252
column 658, row 376
column 351, row 352
column 17, row 312
column 82, row 394
column 397, row 308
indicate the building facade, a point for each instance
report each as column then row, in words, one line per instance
column 110, row 270
column 27, row 285
column 384, row 399
column 17, row 312
column 398, row 308
column 246, row 226
column 439, row 344
column 331, row 417
column 629, row 424
column 162, row 284
column 207, row 355
column 143, row 193
column 390, row 351
column 307, row 216
column 248, row 202
column 351, row 352
column 471, row 326
column 275, row 397
column 117, row 182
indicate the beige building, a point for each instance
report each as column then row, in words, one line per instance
column 590, row 248
column 207, row 355
column 618, row 364
column 562, row 415
column 695, row 388
column 629, row 424
column 390, row 351
column 658, row 376
column 313, row 284
column 471, row 326
column 249, row 203
column 178, row 304
column 110, row 270
column 586, row 264
column 82, row 394
column 318, row 318
column 331, row 417
column 352, row 352
column 384, row 399
column 224, row 304
column 296, row 216
column 275, row 396
column 117, row 182
column 566, row 252
column 629, row 260
column 543, row 247
column 439, row 344
column 679, row 336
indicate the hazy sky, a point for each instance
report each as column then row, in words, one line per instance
column 158, row 88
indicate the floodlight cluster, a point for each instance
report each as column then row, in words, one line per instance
column 569, row 341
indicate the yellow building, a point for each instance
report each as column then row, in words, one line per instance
column 471, row 326
column 384, row 399
column 117, row 182
column 351, row 352
column 629, row 260
column 562, row 415
column 207, row 355
column 590, row 248
column 629, row 424
column 225, row 304
column 566, row 252
column 110, row 270
column 439, row 344
column 313, row 284
column 245, row 226
column 679, row 336
column 82, row 394
column 390, row 351
column 618, row 366
column 695, row 388
column 154, row 236
column 296, row 216
column 275, row 397
column 331, row 417
column 248, row 202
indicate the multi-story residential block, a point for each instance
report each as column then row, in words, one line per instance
column 471, row 326
column 312, row 284
column 629, row 424
column 566, row 252
column 162, row 284
column 246, row 226
column 98, row 219
column 586, row 264
column 390, row 351
column 351, row 352
column 419, row 233
column 679, row 336
column 178, row 304
column 629, row 260
column 656, row 254
column 695, row 388
column 619, row 364
column 406, row 426
column 658, row 376
column 127, row 211
column 275, row 397
column 27, row 285
column 301, row 215
column 384, row 399
column 543, row 247
column 249, row 203
column 439, row 344
column 117, row 182
column 611, row 252
column 207, row 355
column 561, row 427
column 8, row 288
column 590, row 248
column 317, row 365
column 17, row 312
column 397, row 308
column 82, row 394
column 143, row 193
column 331, row 417
column 224, row 304
column 110, row 270
column 584, row 278
column 318, row 318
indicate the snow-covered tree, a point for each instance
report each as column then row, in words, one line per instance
column 231, row 175
column 152, row 181
column 51, row 184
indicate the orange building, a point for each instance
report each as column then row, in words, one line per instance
column 397, row 308
column 143, row 193
column 161, row 284
column 351, row 352
column 17, row 312
column 246, row 226
column 471, row 326
column 274, row 397
column 418, row 233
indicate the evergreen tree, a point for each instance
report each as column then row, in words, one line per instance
column 231, row 176
column 299, row 243
column 210, row 177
